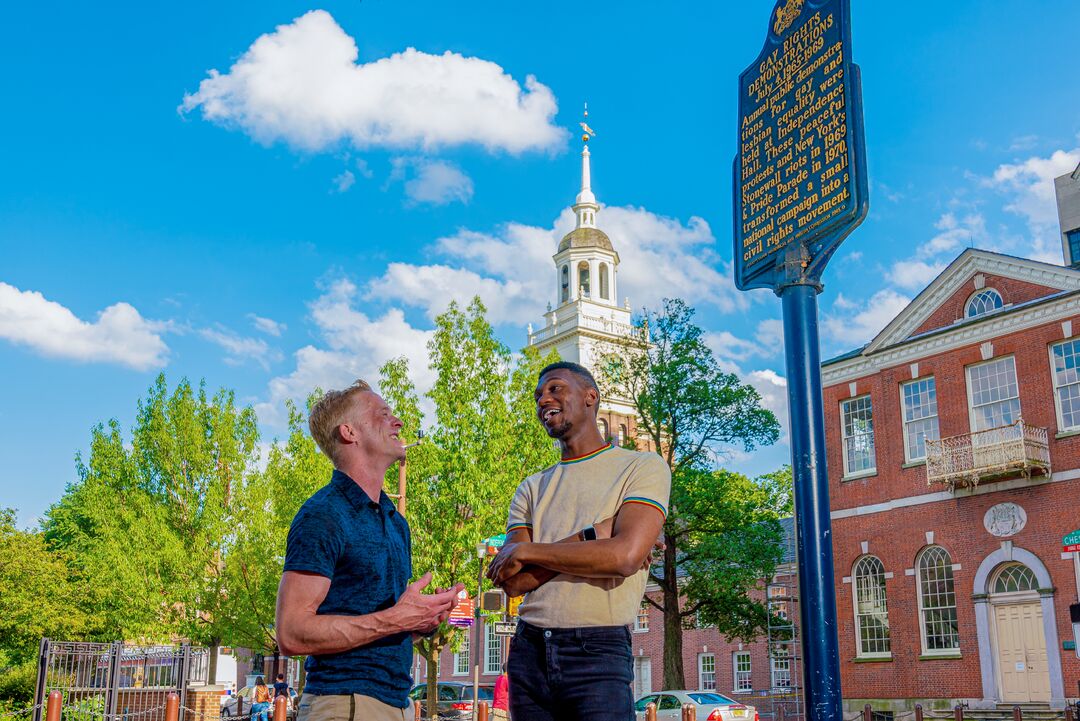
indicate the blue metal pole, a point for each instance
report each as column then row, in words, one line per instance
column 817, row 594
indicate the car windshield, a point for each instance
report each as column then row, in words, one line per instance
column 710, row 698
column 486, row 693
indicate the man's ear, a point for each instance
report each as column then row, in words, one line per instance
column 591, row 397
column 346, row 433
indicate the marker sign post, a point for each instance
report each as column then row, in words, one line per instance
column 799, row 189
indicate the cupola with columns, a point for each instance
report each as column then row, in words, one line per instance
column 587, row 321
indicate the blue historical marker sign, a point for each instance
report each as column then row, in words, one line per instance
column 800, row 173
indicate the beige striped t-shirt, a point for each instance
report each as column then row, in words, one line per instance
column 565, row 498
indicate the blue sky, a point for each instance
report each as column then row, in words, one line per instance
column 299, row 215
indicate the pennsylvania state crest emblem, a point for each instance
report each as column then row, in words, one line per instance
column 786, row 15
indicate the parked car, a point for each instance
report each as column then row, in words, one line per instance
column 711, row 706
column 455, row 700
column 229, row 702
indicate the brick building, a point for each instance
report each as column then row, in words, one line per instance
column 951, row 581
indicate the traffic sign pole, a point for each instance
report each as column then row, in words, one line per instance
column 817, row 594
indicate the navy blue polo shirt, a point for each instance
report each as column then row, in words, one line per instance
column 365, row 549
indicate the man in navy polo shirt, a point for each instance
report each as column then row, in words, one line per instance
column 345, row 600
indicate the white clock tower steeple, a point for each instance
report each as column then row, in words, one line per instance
column 587, row 321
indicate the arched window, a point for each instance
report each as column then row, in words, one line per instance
column 1015, row 578
column 604, row 289
column 871, row 609
column 565, row 296
column 982, row 302
column 937, row 601
column 622, row 434
column 601, row 425
column 583, row 279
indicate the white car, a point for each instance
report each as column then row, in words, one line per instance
column 711, row 706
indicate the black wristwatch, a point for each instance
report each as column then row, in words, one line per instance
column 588, row 533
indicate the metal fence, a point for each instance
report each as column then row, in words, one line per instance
column 116, row 681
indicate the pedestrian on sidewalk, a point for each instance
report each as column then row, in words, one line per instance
column 500, row 704
column 260, row 701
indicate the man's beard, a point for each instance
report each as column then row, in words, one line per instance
column 559, row 432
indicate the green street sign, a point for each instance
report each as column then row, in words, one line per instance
column 1071, row 542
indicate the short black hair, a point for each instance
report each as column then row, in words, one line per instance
column 579, row 370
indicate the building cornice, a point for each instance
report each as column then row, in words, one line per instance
column 1003, row 323
column 954, row 277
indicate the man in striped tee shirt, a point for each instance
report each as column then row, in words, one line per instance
column 579, row 537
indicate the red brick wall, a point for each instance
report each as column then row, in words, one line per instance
column 896, row 536
column 1012, row 292
column 1031, row 351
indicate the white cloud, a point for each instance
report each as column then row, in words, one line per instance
column 267, row 325
column 914, row 274
column 661, row 257
column 849, row 324
column 352, row 345
column 1023, row 142
column 1029, row 189
column 434, row 182
column 239, row 348
column 773, row 390
column 344, row 181
column 118, row 335
column 364, row 169
column 301, row 84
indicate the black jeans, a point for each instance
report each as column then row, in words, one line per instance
column 571, row 674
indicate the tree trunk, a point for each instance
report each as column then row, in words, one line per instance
column 211, row 667
column 674, row 677
column 431, row 704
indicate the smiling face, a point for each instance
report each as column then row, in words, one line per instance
column 374, row 427
column 565, row 405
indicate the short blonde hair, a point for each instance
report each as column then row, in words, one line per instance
column 329, row 412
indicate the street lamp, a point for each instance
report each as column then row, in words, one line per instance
column 481, row 553
column 401, row 474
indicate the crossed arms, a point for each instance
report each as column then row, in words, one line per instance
column 622, row 547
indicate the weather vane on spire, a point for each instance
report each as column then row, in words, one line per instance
column 588, row 132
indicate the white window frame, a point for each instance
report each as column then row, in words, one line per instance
column 702, row 672
column 742, row 679
column 973, row 296
column 462, row 654
column 1056, row 388
column 848, row 473
column 859, row 653
column 779, row 667
column 904, row 421
column 926, row 650
column 492, row 643
column 971, row 398
column 641, row 621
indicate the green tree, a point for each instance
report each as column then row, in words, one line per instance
column 484, row 441
column 690, row 410
column 265, row 506
column 36, row 592
column 149, row 521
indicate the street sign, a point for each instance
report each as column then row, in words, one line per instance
column 505, row 628
column 495, row 543
column 1071, row 542
column 462, row 615
column 800, row 184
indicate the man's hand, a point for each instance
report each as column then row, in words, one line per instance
column 506, row 564
column 416, row 612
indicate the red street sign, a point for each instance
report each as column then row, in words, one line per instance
column 1071, row 548
column 462, row 615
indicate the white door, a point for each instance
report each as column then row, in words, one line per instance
column 1022, row 653
column 642, row 676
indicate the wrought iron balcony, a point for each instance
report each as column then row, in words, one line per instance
column 966, row 459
